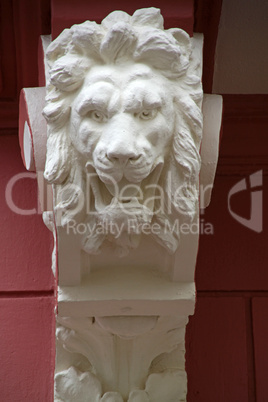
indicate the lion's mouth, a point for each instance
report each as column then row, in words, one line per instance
column 131, row 172
column 124, row 191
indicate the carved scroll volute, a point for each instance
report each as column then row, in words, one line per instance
column 124, row 129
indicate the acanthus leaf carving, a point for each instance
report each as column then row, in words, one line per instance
column 72, row 385
column 113, row 345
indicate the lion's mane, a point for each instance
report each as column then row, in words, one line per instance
column 120, row 38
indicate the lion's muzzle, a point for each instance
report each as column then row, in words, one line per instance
column 122, row 152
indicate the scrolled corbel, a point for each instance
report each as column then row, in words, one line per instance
column 124, row 112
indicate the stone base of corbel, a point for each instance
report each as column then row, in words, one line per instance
column 121, row 359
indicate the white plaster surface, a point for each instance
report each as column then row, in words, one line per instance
column 128, row 111
column 28, row 148
column 212, row 119
column 130, row 356
column 126, row 291
column 133, row 124
column 35, row 99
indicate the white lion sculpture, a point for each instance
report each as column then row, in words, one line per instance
column 124, row 127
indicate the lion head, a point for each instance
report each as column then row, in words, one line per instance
column 124, row 118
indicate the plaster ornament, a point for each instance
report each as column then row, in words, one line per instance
column 115, row 369
column 123, row 109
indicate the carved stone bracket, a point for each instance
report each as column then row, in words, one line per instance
column 126, row 122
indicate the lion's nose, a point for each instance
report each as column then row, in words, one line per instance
column 122, row 154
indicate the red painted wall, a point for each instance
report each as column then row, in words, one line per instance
column 26, row 286
column 227, row 350
column 227, row 337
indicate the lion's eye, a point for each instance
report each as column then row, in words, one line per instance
column 147, row 114
column 97, row 116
